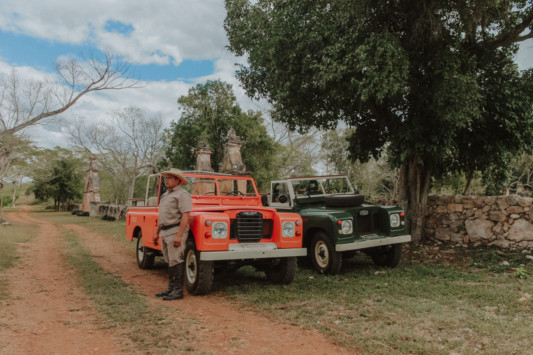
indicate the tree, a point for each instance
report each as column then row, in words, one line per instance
column 431, row 81
column 13, row 149
column 57, row 174
column 208, row 112
column 26, row 103
column 374, row 177
column 127, row 147
column 295, row 154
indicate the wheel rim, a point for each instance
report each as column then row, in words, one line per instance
column 321, row 254
column 140, row 250
column 192, row 266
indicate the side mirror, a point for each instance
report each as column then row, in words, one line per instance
column 264, row 200
column 356, row 191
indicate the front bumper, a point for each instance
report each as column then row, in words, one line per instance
column 242, row 251
column 371, row 243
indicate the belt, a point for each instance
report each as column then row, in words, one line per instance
column 170, row 226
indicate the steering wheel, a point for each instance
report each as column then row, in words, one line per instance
column 208, row 193
column 235, row 193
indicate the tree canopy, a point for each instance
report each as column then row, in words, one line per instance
column 57, row 176
column 208, row 112
column 433, row 82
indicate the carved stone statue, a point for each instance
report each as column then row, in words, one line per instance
column 92, row 186
column 232, row 161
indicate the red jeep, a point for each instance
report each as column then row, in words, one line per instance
column 229, row 227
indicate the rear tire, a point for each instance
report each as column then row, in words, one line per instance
column 323, row 255
column 145, row 256
column 199, row 275
column 387, row 256
column 283, row 272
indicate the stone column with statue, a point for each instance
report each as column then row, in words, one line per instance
column 92, row 186
column 232, row 161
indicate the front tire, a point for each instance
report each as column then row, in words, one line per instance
column 387, row 256
column 199, row 275
column 283, row 272
column 323, row 255
column 145, row 256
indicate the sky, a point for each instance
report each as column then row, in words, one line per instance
column 170, row 45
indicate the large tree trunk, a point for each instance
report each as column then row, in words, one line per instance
column 415, row 179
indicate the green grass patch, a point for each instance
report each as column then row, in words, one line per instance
column 114, row 229
column 415, row 308
column 12, row 237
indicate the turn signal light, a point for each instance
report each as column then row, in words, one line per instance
column 207, row 235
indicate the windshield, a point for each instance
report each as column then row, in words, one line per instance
column 220, row 186
column 321, row 186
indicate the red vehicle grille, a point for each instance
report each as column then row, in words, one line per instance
column 250, row 227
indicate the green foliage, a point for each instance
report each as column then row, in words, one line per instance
column 521, row 273
column 6, row 201
column 432, row 83
column 209, row 111
column 58, row 175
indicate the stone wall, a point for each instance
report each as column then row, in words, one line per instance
column 505, row 221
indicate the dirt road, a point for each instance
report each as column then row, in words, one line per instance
column 47, row 313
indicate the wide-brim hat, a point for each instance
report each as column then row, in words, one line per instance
column 177, row 173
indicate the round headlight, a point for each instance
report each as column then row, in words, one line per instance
column 395, row 220
column 288, row 229
column 346, row 227
column 220, row 230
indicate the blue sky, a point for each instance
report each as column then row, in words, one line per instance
column 24, row 50
column 170, row 45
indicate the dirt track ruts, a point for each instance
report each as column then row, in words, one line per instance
column 47, row 313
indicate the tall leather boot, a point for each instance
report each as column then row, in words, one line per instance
column 177, row 291
column 170, row 283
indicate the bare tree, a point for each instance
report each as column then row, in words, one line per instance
column 26, row 103
column 127, row 147
column 298, row 152
column 12, row 163
column 23, row 104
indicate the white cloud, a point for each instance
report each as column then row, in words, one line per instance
column 524, row 58
column 163, row 30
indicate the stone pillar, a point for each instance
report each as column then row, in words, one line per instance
column 203, row 156
column 232, row 161
column 92, row 186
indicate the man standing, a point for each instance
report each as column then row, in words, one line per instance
column 175, row 206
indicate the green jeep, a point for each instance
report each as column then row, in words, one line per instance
column 337, row 222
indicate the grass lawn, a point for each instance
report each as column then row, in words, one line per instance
column 439, row 300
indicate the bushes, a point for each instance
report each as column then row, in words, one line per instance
column 6, row 201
